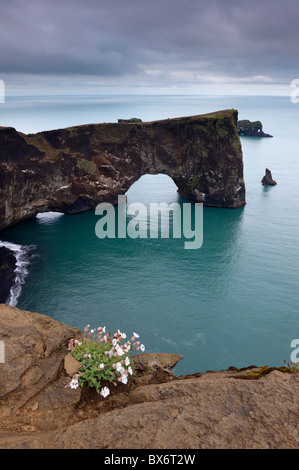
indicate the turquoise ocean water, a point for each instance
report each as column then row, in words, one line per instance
column 234, row 302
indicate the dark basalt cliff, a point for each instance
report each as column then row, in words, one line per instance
column 72, row 170
column 7, row 272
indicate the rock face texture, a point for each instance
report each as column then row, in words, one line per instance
column 267, row 179
column 7, row 274
column 72, row 170
column 251, row 129
column 237, row 408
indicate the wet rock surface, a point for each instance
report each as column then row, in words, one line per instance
column 253, row 407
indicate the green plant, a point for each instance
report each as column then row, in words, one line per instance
column 293, row 365
column 103, row 358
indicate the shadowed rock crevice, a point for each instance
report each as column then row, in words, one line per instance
column 72, row 170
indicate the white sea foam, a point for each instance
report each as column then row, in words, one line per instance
column 48, row 216
column 21, row 254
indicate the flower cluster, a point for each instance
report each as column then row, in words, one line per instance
column 104, row 357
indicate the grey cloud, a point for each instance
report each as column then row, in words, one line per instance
column 115, row 38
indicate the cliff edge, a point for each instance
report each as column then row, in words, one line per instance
column 7, row 272
column 237, row 408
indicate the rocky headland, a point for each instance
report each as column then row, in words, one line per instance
column 251, row 129
column 74, row 169
column 254, row 407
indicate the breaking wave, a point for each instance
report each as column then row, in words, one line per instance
column 22, row 256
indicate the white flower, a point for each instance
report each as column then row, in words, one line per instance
column 119, row 367
column 74, row 383
column 142, row 347
column 105, row 392
column 119, row 350
column 124, row 379
column 127, row 361
column 114, row 342
column 127, row 347
column 101, row 366
column 123, row 335
column 130, row 370
column 136, row 335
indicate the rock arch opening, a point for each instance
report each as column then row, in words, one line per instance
column 153, row 188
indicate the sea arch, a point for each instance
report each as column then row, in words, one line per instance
column 74, row 169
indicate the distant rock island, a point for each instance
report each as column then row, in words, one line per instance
column 251, row 129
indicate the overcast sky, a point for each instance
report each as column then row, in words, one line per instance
column 171, row 45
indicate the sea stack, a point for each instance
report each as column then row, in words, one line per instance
column 268, row 180
column 251, row 129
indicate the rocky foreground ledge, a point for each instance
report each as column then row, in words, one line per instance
column 237, row 408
